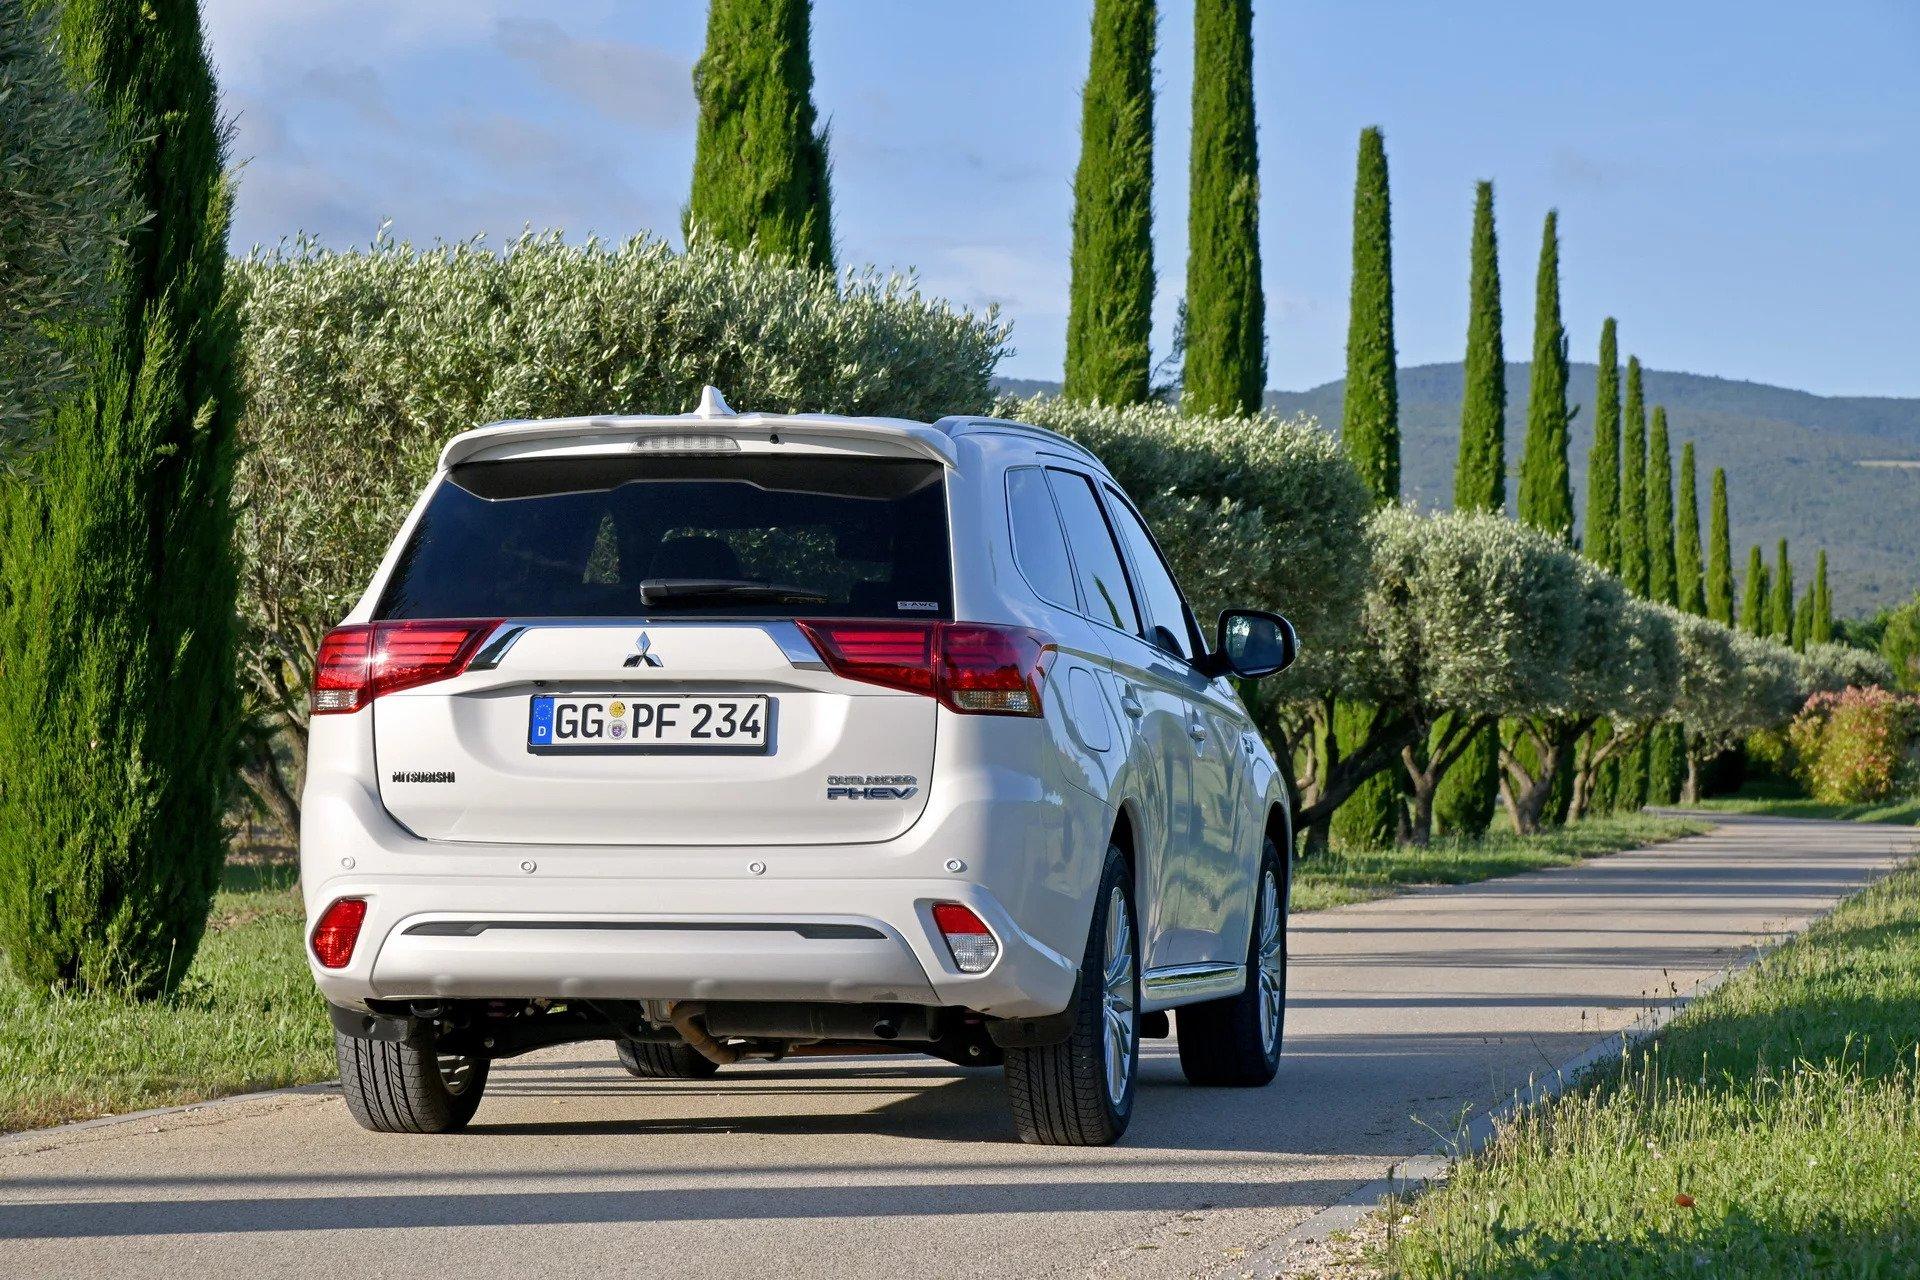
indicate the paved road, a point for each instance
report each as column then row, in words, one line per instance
column 1403, row 1012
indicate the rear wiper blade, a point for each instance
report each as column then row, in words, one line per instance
column 662, row 590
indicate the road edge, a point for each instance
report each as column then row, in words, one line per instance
column 1414, row 1174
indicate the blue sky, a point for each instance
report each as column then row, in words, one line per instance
column 1737, row 182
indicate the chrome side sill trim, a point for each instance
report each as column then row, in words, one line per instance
column 1185, row 983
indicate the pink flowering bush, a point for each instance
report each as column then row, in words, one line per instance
column 1857, row 745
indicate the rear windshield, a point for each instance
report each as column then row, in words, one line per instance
column 750, row 536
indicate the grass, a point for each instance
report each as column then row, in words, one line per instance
column 1340, row 877
column 1772, row 1131
column 246, row 1017
column 1773, row 801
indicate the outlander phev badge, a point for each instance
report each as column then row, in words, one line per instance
column 644, row 656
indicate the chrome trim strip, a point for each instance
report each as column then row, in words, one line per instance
column 794, row 645
column 1184, row 982
column 496, row 647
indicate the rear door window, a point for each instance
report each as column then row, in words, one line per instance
column 1039, row 543
column 1166, row 609
column 1096, row 559
column 750, row 535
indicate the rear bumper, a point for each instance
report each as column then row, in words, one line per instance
column 846, row 922
column 843, row 940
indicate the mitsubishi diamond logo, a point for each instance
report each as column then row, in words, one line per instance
column 643, row 655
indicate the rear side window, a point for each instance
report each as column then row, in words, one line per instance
column 1039, row 544
column 1096, row 559
column 749, row 535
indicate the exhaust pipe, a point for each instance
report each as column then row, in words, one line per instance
column 686, row 1017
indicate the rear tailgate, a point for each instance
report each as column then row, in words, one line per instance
column 456, row 762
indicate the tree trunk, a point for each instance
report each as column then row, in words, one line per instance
column 1690, row 789
column 1422, row 784
column 261, row 772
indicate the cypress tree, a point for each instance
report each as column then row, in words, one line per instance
column 1661, row 585
column 1630, row 776
column 1546, row 488
column 1465, row 801
column 1633, row 485
column 1753, row 600
column 1720, row 555
column 1780, row 616
column 1602, row 535
column 117, row 692
column 1370, row 429
column 1110, row 309
column 1226, row 359
column 1603, row 460
column 1480, row 475
column 760, row 169
column 1666, row 761
column 1821, row 625
column 1803, row 620
column 1370, row 417
column 1689, row 591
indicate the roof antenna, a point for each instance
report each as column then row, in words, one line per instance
column 713, row 404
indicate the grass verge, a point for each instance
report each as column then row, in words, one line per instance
column 1773, row 803
column 1339, row 877
column 246, row 1017
column 1773, row 1130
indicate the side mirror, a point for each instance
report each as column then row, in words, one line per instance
column 1252, row 644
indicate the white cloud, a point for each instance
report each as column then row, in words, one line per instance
column 631, row 83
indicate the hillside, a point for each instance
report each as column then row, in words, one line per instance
column 1794, row 463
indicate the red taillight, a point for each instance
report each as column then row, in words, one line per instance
column 969, row 666
column 338, row 930
column 972, row 944
column 357, row 664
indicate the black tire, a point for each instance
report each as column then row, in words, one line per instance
column 1235, row 1041
column 397, row 1086
column 651, row 1060
column 1061, row 1093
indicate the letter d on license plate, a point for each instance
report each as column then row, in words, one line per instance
column 649, row 722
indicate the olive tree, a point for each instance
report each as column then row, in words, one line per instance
column 1621, row 668
column 358, row 366
column 1471, row 617
column 1731, row 684
column 1627, row 679
column 1828, row 667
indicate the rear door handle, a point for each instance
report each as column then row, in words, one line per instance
column 1197, row 731
column 1131, row 705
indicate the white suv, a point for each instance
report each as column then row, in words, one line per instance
column 724, row 736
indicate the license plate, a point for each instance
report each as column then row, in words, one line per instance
column 649, row 722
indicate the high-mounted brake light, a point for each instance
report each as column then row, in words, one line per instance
column 358, row 663
column 972, row 944
column 338, row 930
column 969, row 666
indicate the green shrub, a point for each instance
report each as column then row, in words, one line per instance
column 1857, row 745
column 359, row 366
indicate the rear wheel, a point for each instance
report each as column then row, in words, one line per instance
column 1236, row 1041
column 651, row 1060
column 399, row 1086
column 1080, row 1093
